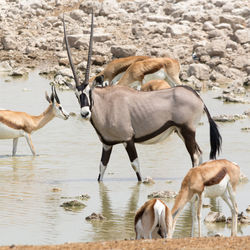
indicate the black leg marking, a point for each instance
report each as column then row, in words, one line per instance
column 131, row 150
column 106, row 152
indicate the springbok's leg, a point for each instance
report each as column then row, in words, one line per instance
column 15, row 140
column 188, row 136
column 106, row 152
column 194, row 203
column 131, row 150
column 29, row 141
column 199, row 213
column 234, row 209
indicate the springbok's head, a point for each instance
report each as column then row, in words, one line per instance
column 82, row 89
column 57, row 108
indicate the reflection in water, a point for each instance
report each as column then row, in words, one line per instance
column 116, row 223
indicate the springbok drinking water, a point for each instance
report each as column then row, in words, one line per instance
column 217, row 178
column 114, row 70
column 14, row 124
column 154, row 215
column 123, row 115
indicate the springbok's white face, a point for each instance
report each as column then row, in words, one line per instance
column 57, row 108
column 83, row 96
column 59, row 111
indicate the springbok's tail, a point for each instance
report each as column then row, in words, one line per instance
column 215, row 137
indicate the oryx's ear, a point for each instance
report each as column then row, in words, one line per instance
column 47, row 97
column 72, row 86
column 98, row 81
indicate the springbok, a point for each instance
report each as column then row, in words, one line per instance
column 217, row 178
column 123, row 115
column 162, row 68
column 14, row 124
column 155, row 85
column 154, row 215
column 114, row 70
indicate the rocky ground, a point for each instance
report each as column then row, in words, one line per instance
column 211, row 38
column 242, row 243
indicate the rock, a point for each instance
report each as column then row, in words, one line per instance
column 245, row 129
column 9, row 42
column 213, row 217
column 56, row 189
column 5, row 66
column 177, row 30
column 216, row 48
column 123, row 51
column 163, row 195
column 248, row 209
column 200, row 71
column 19, row 72
column 208, row 26
column 242, row 219
column 99, row 37
column 73, row 205
column 242, row 36
column 95, row 216
column 148, row 180
column 77, row 15
column 228, row 118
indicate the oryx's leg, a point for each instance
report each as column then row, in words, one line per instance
column 106, row 151
column 131, row 150
column 29, row 141
column 188, row 136
column 15, row 140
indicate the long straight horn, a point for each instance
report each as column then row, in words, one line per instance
column 69, row 55
column 55, row 94
column 86, row 80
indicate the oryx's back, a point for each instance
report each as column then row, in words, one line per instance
column 140, row 114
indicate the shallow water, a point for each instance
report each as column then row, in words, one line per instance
column 69, row 154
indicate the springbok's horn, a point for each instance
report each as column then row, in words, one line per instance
column 69, row 55
column 55, row 94
column 86, row 80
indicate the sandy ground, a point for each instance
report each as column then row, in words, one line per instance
column 238, row 243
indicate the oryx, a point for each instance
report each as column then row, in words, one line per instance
column 120, row 114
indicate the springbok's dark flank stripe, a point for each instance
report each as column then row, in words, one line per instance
column 217, row 178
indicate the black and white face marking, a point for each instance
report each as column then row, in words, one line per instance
column 83, row 96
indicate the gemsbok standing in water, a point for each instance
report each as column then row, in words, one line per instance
column 14, row 124
column 120, row 114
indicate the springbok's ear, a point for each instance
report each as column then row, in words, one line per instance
column 98, row 81
column 47, row 97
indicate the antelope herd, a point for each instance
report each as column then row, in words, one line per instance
column 120, row 114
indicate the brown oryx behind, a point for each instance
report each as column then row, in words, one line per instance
column 123, row 115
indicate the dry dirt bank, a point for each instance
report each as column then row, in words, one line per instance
column 185, row 243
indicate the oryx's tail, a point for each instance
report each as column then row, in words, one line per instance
column 215, row 137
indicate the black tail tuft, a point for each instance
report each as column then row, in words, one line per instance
column 215, row 137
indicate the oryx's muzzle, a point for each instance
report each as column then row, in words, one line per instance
column 85, row 112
